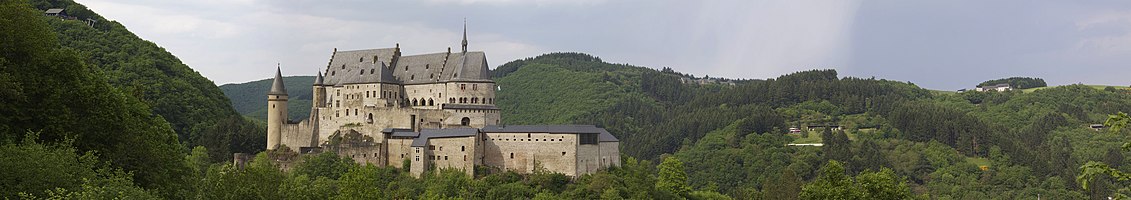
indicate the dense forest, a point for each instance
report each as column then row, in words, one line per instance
column 196, row 109
column 1017, row 82
column 249, row 100
column 93, row 112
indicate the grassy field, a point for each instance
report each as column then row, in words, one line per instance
column 1099, row 87
column 815, row 137
column 978, row 161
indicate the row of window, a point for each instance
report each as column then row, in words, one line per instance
column 473, row 100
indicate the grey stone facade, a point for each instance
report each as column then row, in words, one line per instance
column 432, row 110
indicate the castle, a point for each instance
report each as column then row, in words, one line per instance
column 427, row 112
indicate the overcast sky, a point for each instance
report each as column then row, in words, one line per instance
column 947, row 45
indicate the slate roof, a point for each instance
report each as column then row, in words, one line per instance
column 607, row 137
column 318, row 79
column 427, row 134
column 373, row 66
column 277, row 87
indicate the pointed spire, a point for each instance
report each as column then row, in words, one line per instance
column 464, row 35
column 277, row 86
column 318, row 79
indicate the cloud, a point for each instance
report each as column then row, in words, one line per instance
column 1109, row 34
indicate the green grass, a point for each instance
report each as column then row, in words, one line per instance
column 1098, row 87
column 815, row 137
column 978, row 161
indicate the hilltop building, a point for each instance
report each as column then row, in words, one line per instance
column 426, row 112
column 999, row 87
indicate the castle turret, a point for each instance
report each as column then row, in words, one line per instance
column 319, row 92
column 276, row 111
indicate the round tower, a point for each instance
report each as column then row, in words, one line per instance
column 319, row 92
column 276, row 111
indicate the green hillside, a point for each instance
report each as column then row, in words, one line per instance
column 66, row 128
column 194, row 106
column 250, row 99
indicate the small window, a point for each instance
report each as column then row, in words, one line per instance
column 343, row 66
column 512, row 155
column 462, row 148
column 371, row 71
column 563, row 153
column 411, row 77
column 474, row 86
column 445, row 157
column 361, row 59
column 462, row 86
column 431, row 147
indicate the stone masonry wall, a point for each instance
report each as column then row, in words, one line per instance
column 554, row 152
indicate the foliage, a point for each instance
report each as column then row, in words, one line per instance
column 1017, row 82
column 34, row 169
column 60, row 96
column 672, row 177
column 193, row 106
column 249, row 98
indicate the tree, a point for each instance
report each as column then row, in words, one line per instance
column 831, row 183
column 327, row 164
column 1093, row 169
column 884, row 184
column 672, row 177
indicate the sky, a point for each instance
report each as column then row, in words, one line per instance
column 944, row 45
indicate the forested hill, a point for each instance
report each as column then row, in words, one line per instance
column 250, row 99
column 194, row 106
column 654, row 113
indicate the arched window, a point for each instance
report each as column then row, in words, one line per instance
column 465, row 121
column 413, row 102
column 451, row 100
column 475, row 100
column 430, row 102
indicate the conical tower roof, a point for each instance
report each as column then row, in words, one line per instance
column 318, row 79
column 277, row 87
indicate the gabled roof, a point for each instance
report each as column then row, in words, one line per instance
column 427, row 134
column 277, row 87
column 607, row 137
column 375, row 66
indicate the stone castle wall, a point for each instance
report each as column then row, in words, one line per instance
column 525, row 152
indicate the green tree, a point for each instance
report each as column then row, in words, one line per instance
column 831, row 183
column 672, row 177
column 884, row 184
column 328, row 165
column 1091, row 170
